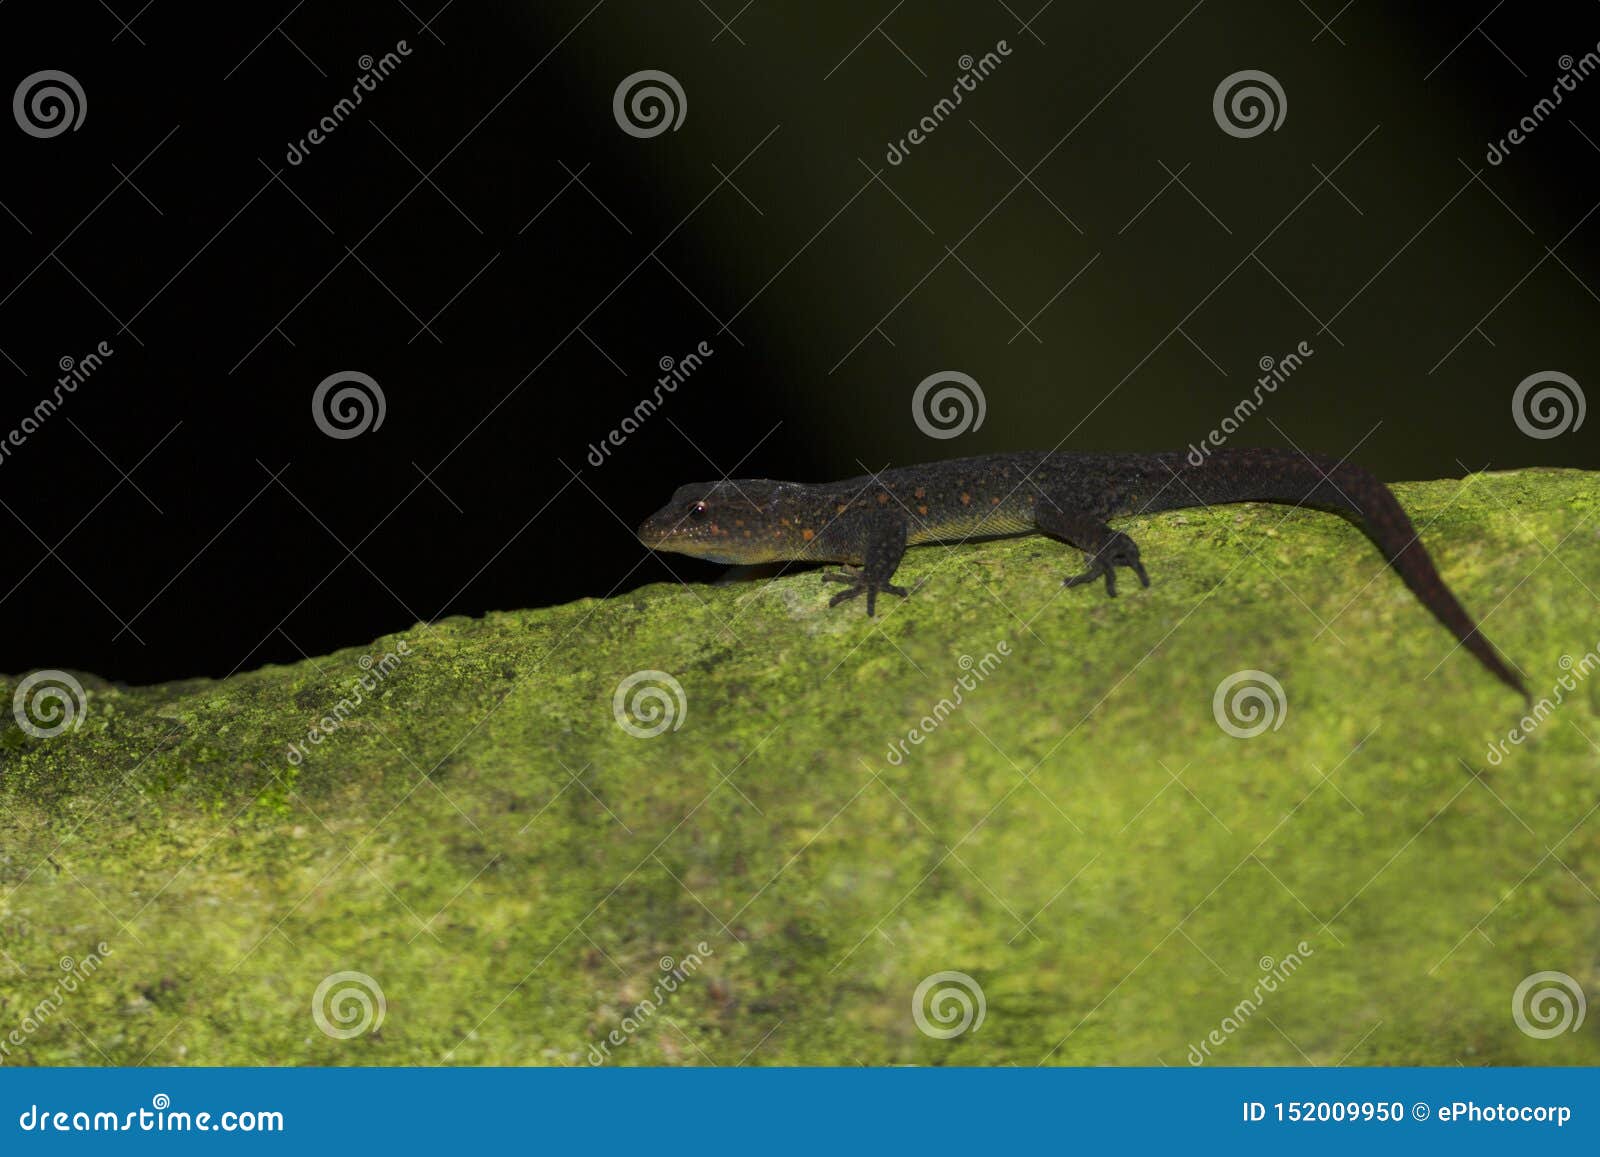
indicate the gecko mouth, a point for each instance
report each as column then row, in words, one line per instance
column 710, row 551
column 720, row 550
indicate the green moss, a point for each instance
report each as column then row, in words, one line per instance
column 481, row 837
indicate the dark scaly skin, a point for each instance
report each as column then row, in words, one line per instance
column 869, row 521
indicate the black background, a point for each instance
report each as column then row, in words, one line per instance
column 483, row 239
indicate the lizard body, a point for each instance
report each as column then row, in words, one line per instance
column 870, row 520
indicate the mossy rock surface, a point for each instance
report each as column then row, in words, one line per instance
column 1112, row 868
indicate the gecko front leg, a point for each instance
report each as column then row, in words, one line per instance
column 878, row 539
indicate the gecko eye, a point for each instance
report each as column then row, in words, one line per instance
column 698, row 510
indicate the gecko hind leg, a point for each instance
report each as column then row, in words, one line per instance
column 1119, row 550
column 1107, row 549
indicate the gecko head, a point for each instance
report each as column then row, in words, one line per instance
column 738, row 523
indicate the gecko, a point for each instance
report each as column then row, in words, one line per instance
column 866, row 523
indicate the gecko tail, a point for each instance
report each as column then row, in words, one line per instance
column 1290, row 478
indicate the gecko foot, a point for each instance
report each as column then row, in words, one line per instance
column 1118, row 550
column 857, row 581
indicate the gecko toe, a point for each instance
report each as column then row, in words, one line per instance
column 1118, row 550
column 859, row 583
column 845, row 595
